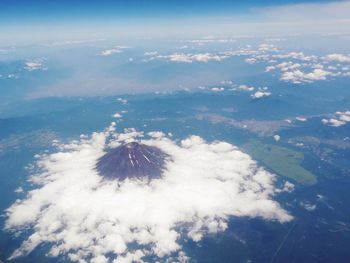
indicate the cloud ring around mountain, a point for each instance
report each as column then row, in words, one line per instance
column 86, row 218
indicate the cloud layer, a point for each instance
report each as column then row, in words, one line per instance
column 88, row 219
column 292, row 66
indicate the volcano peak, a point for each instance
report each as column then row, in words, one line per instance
column 132, row 160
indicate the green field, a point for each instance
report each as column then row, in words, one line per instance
column 282, row 161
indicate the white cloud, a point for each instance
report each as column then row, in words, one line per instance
column 19, row 190
column 245, row 88
column 295, row 55
column 295, row 67
column 309, row 207
column 288, row 187
column 260, row 94
column 277, row 137
column 339, row 119
column 338, row 57
column 298, row 76
column 285, row 66
column 189, row 58
column 123, row 101
column 266, row 47
column 87, row 218
column 151, row 53
column 217, row 89
column 270, row 68
column 203, row 41
column 33, row 65
column 299, row 68
column 117, row 115
column 250, row 60
column 303, row 119
column 333, row 122
column 115, row 50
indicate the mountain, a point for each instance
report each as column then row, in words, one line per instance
column 132, row 160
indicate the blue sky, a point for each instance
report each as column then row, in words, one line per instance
column 38, row 10
column 29, row 20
